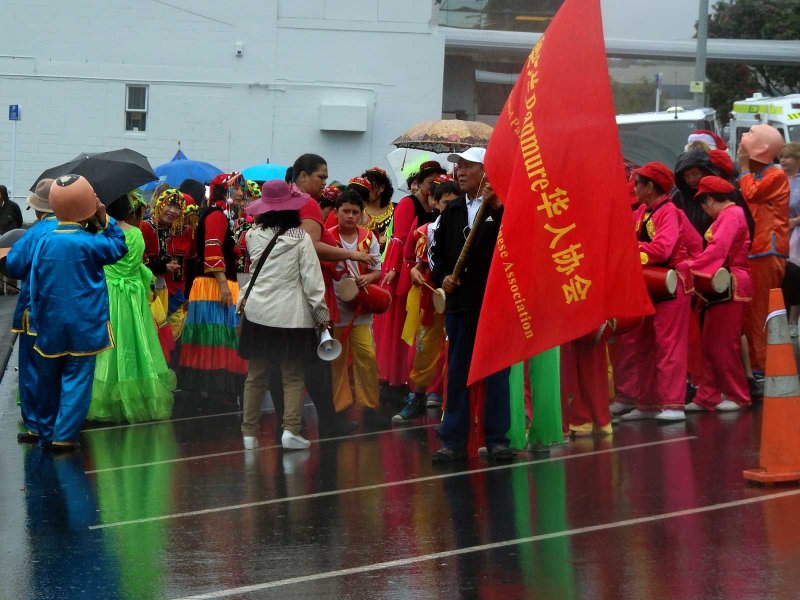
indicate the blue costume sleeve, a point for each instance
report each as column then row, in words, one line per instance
column 20, row 258
column 109, row 246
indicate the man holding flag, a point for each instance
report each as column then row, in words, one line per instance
column 464, row 218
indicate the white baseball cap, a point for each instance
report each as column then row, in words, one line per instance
column 475, row 155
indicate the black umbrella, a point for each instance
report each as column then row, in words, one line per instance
column 112, row 174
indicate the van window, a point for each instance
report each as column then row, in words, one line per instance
column 663, row 141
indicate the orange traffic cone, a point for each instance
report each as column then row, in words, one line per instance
column 780, row 422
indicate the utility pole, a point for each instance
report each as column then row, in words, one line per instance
column 698, row 86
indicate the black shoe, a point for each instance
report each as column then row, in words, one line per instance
column 28, row 438
column 58, row 447
column 501, row 453
column 756, row 389
column 445, row 456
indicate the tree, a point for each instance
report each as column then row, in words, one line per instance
column 754, row 20
column 636, row 97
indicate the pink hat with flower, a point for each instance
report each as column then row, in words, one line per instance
column 277, row 195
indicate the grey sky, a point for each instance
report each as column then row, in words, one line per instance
column 650, row 19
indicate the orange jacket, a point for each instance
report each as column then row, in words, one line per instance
column 767, row 196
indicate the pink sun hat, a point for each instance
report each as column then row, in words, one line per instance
column 277, row 195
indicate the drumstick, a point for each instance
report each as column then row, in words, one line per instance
column 465, row 250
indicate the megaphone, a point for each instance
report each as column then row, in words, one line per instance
column 329, row 349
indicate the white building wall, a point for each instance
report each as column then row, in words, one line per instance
column 67, row 65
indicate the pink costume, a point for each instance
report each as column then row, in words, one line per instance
column 395, row 357
column 657, row 381
column 728, row 246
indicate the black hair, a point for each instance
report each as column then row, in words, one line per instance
column 377, row 178
column 218, row 192
column 4, row 193
column 411, row 179
column 120, row 208
column 279, row 218
column 196, row 189
column 306, row 163
column 325, row 202
column 360, row 190
column 448, row 187
column 645, row 180
column 350, row 196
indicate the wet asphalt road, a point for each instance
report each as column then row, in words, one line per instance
column 178, row 509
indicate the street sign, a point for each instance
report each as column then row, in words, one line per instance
column 697, row 87
column 13, row 112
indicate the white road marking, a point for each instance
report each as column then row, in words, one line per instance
column 377, row 486
column 259, row 449
column 402, row 562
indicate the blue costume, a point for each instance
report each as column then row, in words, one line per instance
column 18, row 265
column 69, row 317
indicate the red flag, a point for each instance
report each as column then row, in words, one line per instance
column 566, row 258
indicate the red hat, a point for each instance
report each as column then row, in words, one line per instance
column 722, row 162
column 659, row 174
column 430, row 167
column 362, row 181
column 707, row 137
column 711, row 184
column 442, row 178
column 331, row 192
column 376, row 170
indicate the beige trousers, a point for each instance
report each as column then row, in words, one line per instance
column 255, row 387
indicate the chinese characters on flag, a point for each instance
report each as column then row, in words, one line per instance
column 566, row 258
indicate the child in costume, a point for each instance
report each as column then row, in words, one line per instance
column 132, row 381
column 424, row 327
column 18, row 266
column 69, row 308
column 354, row 328
column 169, row 245
column 724, row 386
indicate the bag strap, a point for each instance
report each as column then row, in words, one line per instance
column 261, row 260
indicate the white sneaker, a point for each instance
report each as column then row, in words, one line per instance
column 250, row 442
column 728, row 406
column 671, row 415
column 694, row 407
column 793, row 330
column 638, row 415
column 290, row 441
column 618, row 408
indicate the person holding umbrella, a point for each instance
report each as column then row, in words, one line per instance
column 69, row 308
column 18, row 265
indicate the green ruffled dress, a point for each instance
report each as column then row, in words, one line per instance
column 132, row 381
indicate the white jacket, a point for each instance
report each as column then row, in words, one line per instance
column 289, row 292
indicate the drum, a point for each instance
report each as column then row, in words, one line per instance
column 661, row 282
column 714, row 289
column 373, row 299
column 626, row 324
column 346, row 289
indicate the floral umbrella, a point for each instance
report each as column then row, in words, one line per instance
column 447, row 135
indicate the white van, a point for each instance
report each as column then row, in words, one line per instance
column 662, row 135
column 782, row 112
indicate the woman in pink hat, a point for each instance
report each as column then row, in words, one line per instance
column 284, row 306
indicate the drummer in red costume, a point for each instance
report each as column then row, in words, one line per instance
column 724, row 385
column 658, row 383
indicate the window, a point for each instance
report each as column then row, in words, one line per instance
column 135, row 108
